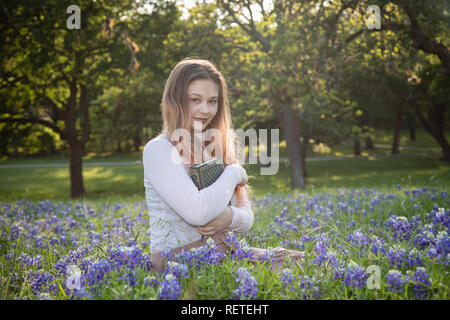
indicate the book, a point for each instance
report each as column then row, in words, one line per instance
column 204, row 174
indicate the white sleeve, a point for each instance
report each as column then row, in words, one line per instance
column 242, row 216
column 164, row 169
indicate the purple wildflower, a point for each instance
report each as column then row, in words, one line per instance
column 177, row 269
column 206, row 255
column 287, row 278
column 421, row 281
column 170, row 288
column 395, row 281
column 440, row 250
column 97, row 272
column 308, row 287
column 400, row 226
column 247, row 288
column 353, row 275
column 358, row 238
column 241, row 250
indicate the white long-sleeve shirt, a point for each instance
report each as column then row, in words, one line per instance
column 176, row 206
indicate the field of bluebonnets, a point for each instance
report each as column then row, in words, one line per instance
column 359, row 244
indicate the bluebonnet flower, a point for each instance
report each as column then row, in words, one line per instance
column 241, row 250
column 61, row 266
column 399, row 258
column 305, row 238
column 441, row 216
column 351, row 224
column 15, row 231
column 299, row 220
column 97, row 272
column 26, row 261
column 287, row 278
column 130, row 277
column 205, row 255
column 151, row 281
column 39, row 243
column 177, row 269
column 131, row 257
column 63, row 240
column 395, row 281
column 170, row 288
column 440, row 249
column 425, row 236
column 413, row 258
column 377, row 246
column 308, row 287
column 41, row 281
column 400, row 226
column 356, row 276
column 322, row 250
column 145, row 244
column 421, row 281
column 358, row 238
column 270, row 255
column 353, row 275
column 247, row 288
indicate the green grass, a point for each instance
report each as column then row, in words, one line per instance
column 120, row 182
column 383, row 173
column 103, row 183
column 383, row 139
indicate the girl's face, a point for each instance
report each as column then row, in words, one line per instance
column 203, row 97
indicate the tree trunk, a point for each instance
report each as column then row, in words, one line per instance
column 437, row 133
column 412, row 128
column 119, row 147
column 369, row 143
column 137, row 143
column 76, row 169
column 304, row 146
column 357, row 147
column 102, row 144
column 290, row 124
column 396, row 141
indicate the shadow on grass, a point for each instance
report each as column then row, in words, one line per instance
column 127, row 181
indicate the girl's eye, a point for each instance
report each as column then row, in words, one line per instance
column 195, row 100
column 213, row 101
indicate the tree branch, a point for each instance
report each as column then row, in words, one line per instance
column 36, row 120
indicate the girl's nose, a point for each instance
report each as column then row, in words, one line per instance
column 204, row 108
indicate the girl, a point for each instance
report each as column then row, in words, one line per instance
column 194, row 104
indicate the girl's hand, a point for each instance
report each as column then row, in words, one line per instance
column 218, row 224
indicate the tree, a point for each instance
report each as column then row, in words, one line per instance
column 51, row 73
column 422, row 28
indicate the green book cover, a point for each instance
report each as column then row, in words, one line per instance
column 204, row 174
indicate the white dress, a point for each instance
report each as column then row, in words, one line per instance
column 175, row 205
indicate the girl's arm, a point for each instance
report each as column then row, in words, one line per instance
column 165, row 171
column 243, row 216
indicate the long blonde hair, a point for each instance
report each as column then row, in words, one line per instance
column 176, row 113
